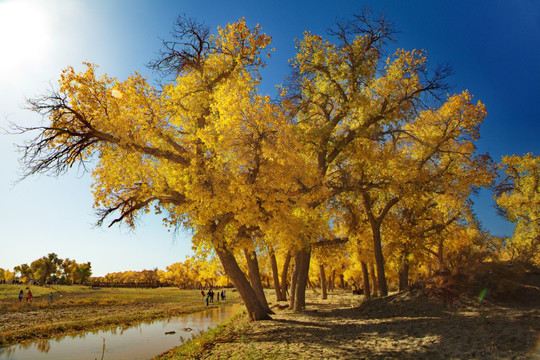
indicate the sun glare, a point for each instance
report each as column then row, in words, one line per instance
column 24, row 36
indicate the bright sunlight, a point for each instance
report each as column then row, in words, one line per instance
column 24, row 36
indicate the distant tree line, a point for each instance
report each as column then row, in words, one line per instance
column 144, row 278
column 48, row 269
column 193, row 273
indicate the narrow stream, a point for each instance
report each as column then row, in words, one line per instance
column 142, row 341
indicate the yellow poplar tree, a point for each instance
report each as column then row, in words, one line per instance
column 200, row 150
column 518, row 196
column 343, row 92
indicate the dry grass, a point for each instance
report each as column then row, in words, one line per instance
column 79, row 309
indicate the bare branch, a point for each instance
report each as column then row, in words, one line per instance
column 187, row 50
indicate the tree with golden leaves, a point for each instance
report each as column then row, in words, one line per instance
column 198, row 150
column 518, row 198
column 345, row 95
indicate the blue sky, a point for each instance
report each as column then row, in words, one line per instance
column 493, row 47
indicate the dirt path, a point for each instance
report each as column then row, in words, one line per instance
column 396, row 327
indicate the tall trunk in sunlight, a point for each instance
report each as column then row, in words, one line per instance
column 284, row 277
column 255, row 278
column 294, row 278
column 255, row 309
column 275, row 276
column 302, row 261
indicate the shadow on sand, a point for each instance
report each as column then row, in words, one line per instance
column 405, row 327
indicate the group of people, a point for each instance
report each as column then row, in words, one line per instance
column 210, row 295
column 29, row 296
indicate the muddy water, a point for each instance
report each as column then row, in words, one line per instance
column 141, row 341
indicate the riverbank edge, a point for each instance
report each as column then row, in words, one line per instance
column 67, row 328
column 205, row 340
column 204, row 344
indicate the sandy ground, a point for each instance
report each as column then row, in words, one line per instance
column 400, row 326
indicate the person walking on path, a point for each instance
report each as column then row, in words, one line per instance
column 50, row 297
column 29, row 296
column 21, row 295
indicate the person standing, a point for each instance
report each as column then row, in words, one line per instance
column 21, row 295
column 29, row 296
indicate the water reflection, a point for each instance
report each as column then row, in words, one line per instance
column 142, row 341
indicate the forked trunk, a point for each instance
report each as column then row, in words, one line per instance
column 254, row 308
column 284, row 277
column 365, row 279
column 323, row 282
column 255, row 278
column 275, row 276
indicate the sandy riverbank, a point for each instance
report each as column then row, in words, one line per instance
column 401, row 326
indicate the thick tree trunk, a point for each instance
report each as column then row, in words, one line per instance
column 379, row 259
column 294, row 278
column 342, row 281
column 365, row 279
column 374, row 280
column 275, row 276
column 323, row 282
column 440, row 255
column 284, row 277
column 333, row 279
column 254, row 308
column 302, row 260
column 255, row 278
column 404, row 274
